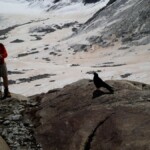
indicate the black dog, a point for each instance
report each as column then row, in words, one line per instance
column 100, row 83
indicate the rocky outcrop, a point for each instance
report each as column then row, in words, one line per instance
column 15, row 128
column 78, row 117
column 71, row 119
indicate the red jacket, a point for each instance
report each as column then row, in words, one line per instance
column 3, row 53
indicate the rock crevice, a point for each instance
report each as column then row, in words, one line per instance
column 92, row 135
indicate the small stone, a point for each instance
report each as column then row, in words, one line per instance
column 4, row 133
column 7, row 122
column 16, row 117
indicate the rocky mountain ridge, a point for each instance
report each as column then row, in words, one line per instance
column 126, row 20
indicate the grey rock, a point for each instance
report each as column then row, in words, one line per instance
column 7, row 122
column 73, row 120
column 17, row 41
column 80, row 47
column 13, row 129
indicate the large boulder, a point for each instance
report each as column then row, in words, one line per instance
column 3, row 144
column 71, row 119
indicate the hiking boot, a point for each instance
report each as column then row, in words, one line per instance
column 6, row 94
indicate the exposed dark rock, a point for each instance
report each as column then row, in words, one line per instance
column 123, row 48
column 52, row 81
column 27, row 69
column 33, row 49
column 71, row 120
column 74, row 29
column 115, row 65
column 110, row 2
column 90, row 1
column 109, row 65
column 46, row 58
column 26, row 54
column 95, row 39
column 37, row 77
column 15, row 72
column 57, row 27
column 46, row 48
column 17, row 41
column 38, row 85
column 53, row 53
column 100, row 41
column 46, row 29
column 80, row 47
column 67, row 25
column 56, row 1
column 75, row 65
column 126, row 75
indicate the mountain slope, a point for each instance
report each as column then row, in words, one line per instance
column 128, row 20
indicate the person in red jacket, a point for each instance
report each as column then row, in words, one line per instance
column 3, row 71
